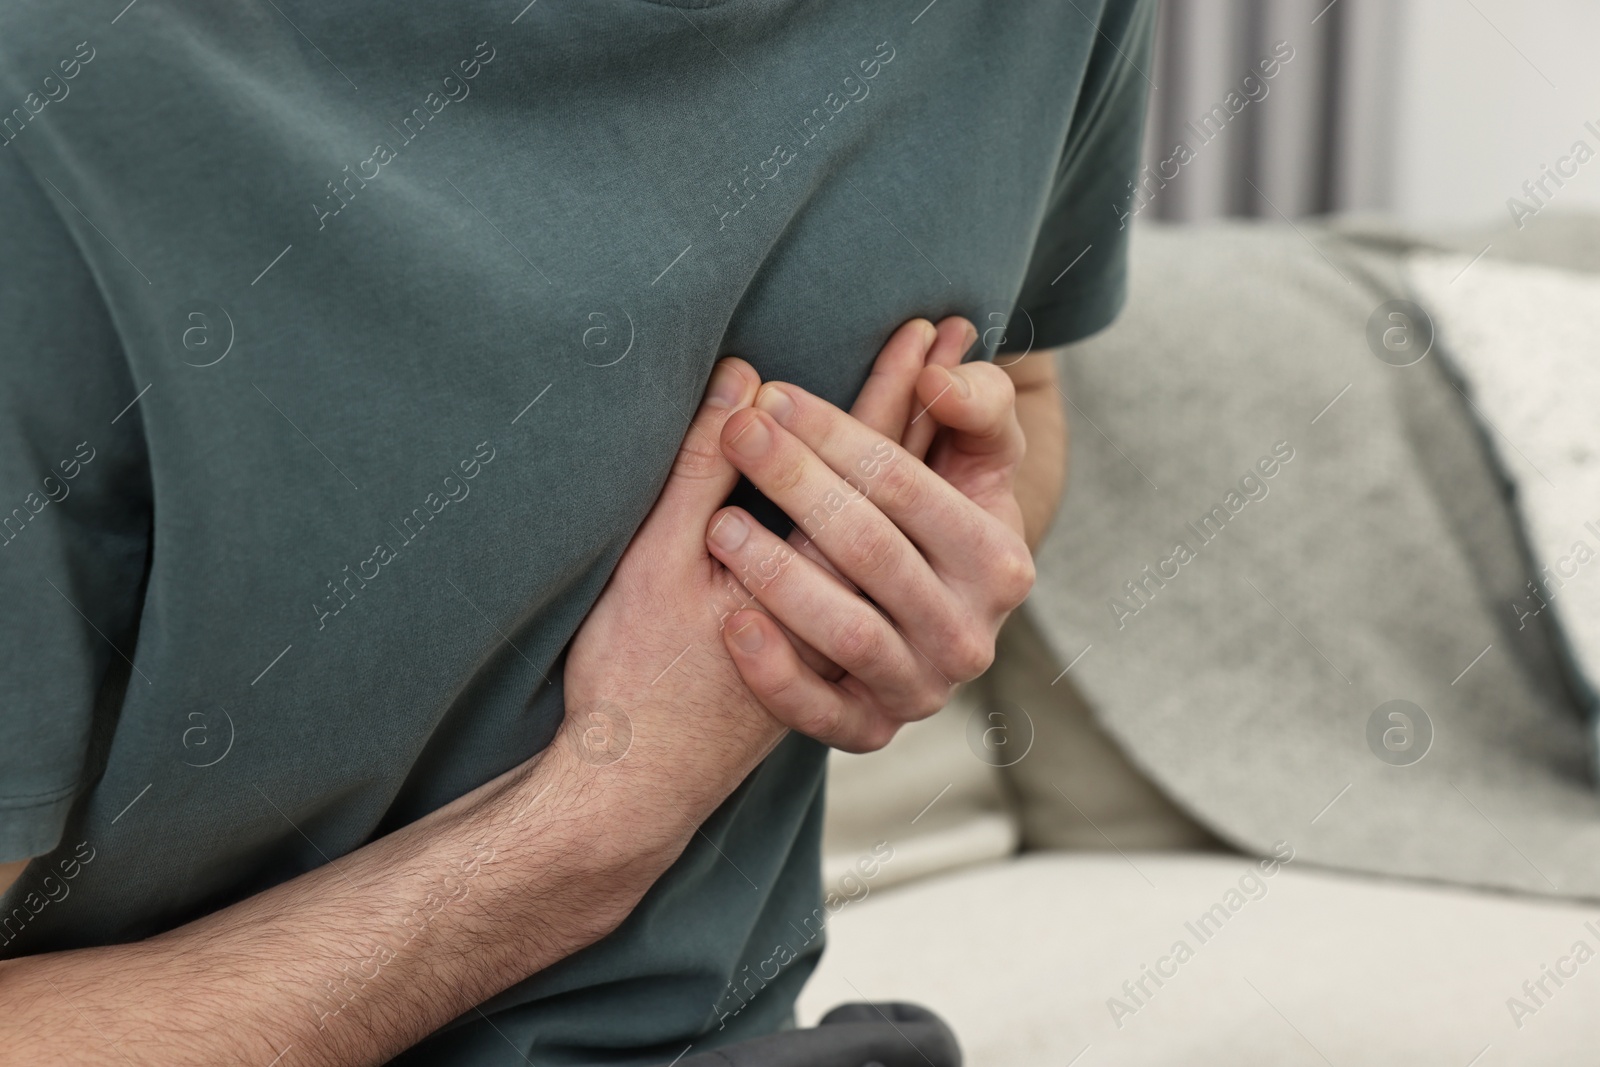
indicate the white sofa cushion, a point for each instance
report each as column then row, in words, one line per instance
column 927, row 795
column 1022, row 956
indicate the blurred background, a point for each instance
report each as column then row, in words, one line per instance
column 1436, row 391
column 1436, row 111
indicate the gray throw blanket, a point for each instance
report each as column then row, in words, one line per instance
column 1285, row 565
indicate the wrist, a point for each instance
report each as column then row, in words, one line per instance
column 597, row 821
column 561, row 845
column 1041, row 478
column 637, row 786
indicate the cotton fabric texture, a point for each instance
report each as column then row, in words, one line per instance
column 367, row 337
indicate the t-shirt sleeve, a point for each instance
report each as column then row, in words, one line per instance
column 74, row 517
column 1077, row 277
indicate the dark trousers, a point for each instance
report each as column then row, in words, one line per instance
column 851, row 1035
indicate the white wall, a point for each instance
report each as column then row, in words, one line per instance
column 1475, row 119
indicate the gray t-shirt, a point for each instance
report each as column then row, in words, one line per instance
column 344, row 350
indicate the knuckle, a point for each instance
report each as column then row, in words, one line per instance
column 934, row 696
column 821, row 722
column 898, row 485
column 871, row 550
column 969, row 654
column 877, row 737
column 697, row 459
column 1014, row 574
column 858, row 643
column 759, row 571
column 776, row 689
column 1007, row 567
column 784, row 471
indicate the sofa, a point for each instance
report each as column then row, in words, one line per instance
column 1113, row 853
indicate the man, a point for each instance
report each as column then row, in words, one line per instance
column 366, row 342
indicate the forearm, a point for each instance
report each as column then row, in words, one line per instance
column 363, row 957
column 1042, row 476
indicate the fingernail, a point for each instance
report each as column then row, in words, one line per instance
column 727, row 386
column 971, row 333
column 775, row 402
column 930, row 334
column 729, row 532
column 748, row 637
column 753, row 441
column 960, row 385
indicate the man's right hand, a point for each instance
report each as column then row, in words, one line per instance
column 650, row 689
column 502, row 882
column 448, row 911
column 649, row 673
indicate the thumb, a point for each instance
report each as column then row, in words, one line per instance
column 975, row 403
column 978, row 402
column 701, row 476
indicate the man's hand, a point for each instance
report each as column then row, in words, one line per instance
column 652, row 647
column 647, row 672
column 936, row 546
column 446, row 912
column 550, row 856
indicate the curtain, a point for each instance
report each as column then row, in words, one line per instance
column 1269, row 107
